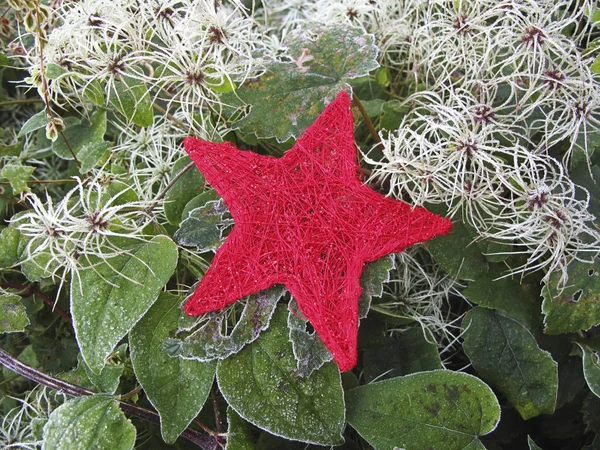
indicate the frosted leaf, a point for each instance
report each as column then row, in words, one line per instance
column 261, row 384
column 107, row 381
column 204, row 226
column 209, row 339
column 290, row 95
column 372, row 279
column 179, row 388
column 109, row 296
column 308, row 348
column 89, row 422
column 13, row 317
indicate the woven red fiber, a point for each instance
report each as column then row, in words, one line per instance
column 305, row 221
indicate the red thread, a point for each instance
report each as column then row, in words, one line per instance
column 305, row 221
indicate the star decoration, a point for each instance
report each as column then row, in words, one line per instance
column 306, row 221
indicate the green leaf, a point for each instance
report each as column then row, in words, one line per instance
column 519, row 300
column 495, row 252
column 93, row 91
column 592, row 13
column 132, row 98
column 207, row 340
column 198, row 201
column 13, row 317
column 392, row 114
column 308, row 348
column 79, row 135
column 387, row 357
column 90, row 154
column 18, row 176
column 35, row 122
column 239, row 434
column 507, row 356
column 373, row 107
column 577, row 306
column 107, row 381
column 12, row 245
column 383, row 77
column 260, row 385
column 188, row 186
column 580, row 174
column 221, row 86
column 11, row 149
column 109, row 297
column 371, row 280
column 203, row 228
column 290, row 95
column 591, row 367
column 458, row 254
column 595, row 67
column 53, row 71
column 177, row 388
column 39, row 267
column 89, row 423
column 427, row 410
column 121, row 193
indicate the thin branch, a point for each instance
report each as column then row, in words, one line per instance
column 62, row 134
column 218, row 423
column 21, row 101
column 204, row 441
column 367, row 119
column 26, row 291
column 6, row 183
column 131, row 393
column 46, row 99
column 168, row 186
column 52, row 304
column 13, row 200
column 170, row 116
column 12, row 363
column 205, row 428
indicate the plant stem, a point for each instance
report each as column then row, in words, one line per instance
column 6, row 183
column 218, row 424
column 52, row 304
column 170, row 116
column 204, row 441
column 167, row 187
column 367, row 119
column 21, row 101
column 46, row 99
column 26, row 291
column 13, row 200
column 131, row 393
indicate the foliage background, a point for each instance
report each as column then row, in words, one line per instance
column 485, row 111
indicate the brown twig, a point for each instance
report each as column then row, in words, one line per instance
column 21, row 101
column 26, row 291
column 367, row 119
column 167, row 187
column 218, row 423
column 208, row 430
column 131, row 393
column 6, row 183
column 13, row 200
column 204, row 441
column 46, row 99
column 169, row 115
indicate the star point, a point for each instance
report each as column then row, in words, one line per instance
column 306, row 221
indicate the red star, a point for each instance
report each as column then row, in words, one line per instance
column 305, row 221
